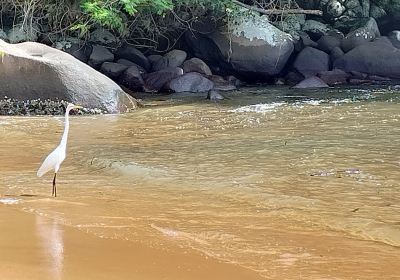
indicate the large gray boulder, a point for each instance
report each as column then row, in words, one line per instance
column 364, row 34
column 252, row 46
column 374, row 58
column 31, row 70
column 310, row 61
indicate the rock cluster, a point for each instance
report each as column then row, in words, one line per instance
column 344, row 46
column 9, row 106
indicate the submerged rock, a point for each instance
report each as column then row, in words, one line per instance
column 31, row 70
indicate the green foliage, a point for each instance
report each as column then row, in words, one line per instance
column 111, row 13
column 142, row 22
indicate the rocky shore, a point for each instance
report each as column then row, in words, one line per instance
column 343, row 46
column 13, row 107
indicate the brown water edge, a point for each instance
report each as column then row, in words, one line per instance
column 33, row 247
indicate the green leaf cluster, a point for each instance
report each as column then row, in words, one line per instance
column 115, row 14
column 111, row 13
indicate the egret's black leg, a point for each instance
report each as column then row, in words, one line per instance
column 54, row 193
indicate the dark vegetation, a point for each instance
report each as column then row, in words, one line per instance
column 144, row 23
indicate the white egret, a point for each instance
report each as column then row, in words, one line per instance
column 56, row 157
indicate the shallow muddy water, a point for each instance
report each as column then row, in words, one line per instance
column 289, row 185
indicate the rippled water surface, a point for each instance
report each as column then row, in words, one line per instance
column 291, row 185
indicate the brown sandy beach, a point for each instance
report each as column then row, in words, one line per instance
column 39, row 248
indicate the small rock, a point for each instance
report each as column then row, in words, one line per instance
column 103, row 37
column 221, row 84
column 311, row 82
column 235, row 81
column 174, row 58
column 315, row 29
column 157, row 80
column 378, row 78
column 214, row 95
column 131, row 53
column 130, row 63
column 191, row 82
column 360, row 82
column 293, row 78
column 334, row 77
column 196, row 65
column 358, row 75
column 132, row 78
column 100, row 55
column 112, row 70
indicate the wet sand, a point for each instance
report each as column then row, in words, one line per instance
column 39, row 248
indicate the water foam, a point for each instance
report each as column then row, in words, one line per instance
column 9, row 201
column 258, row 108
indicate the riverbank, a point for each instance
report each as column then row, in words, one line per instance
column 39, row 248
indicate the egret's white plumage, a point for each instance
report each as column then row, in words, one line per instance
column 56, row 157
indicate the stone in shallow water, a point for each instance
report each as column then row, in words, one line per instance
column 214, row 95
column 312, row 82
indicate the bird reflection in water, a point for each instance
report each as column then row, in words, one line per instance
column 50, row 234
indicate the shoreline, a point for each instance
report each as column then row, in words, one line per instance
column 35, row 247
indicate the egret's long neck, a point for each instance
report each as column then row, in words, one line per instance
column 66, row 129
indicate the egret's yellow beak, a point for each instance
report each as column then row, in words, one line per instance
column 78, row 107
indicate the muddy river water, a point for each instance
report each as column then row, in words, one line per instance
column 287, row 185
